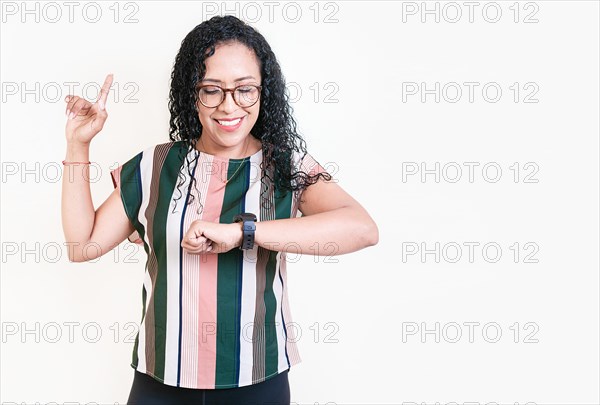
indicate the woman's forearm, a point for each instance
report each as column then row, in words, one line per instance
column 335, row 232
column 77, row 208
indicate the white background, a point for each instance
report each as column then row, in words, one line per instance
column 363, row 305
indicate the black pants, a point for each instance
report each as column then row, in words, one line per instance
column 148, row 391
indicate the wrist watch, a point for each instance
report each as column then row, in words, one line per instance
column 248, row 228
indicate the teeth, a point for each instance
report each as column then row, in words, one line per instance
column 229, row 123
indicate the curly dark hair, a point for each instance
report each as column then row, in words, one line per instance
column 275, row 126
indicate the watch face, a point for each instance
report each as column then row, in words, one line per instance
column 246, row 216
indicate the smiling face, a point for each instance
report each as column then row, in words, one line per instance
column 232, row 64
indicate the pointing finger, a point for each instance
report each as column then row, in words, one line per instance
column 103, row 96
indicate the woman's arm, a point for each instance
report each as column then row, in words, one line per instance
column 88, row 233
column 333, row 223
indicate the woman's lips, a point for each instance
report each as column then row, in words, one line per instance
column 230, row 128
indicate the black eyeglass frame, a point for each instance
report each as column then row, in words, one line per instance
column 224, row 92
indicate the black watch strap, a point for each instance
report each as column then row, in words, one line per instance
column 248, row 220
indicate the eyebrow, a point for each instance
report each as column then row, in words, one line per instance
column 235, row 81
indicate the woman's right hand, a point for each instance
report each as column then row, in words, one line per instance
column 84, row 119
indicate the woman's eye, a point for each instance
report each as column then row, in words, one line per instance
column 211, row 91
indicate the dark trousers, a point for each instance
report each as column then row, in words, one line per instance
column 148, row 391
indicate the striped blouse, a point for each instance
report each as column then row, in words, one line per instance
column 213, row 320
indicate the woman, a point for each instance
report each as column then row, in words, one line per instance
column 216, row 209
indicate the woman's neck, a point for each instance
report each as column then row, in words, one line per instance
column 250, row 146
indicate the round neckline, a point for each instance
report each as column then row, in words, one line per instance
column 224, row 159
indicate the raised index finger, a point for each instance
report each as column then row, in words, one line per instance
column 103, row 96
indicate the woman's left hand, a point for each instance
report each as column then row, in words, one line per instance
column 211, row 237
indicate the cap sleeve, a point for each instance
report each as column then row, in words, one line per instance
column 309, row 165
column 305, row 162
column 127, row 179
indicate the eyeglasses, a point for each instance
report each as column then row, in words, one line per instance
column 245, row 95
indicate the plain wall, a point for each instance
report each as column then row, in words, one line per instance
column 484, row 284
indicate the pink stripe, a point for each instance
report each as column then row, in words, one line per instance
column 116, row 176
column 292, row 348
column 207, row 314
column 191, row 295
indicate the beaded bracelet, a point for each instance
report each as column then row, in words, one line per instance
column 64, row 162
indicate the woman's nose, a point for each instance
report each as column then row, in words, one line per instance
column 228, row 105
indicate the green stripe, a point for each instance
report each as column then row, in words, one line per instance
column 229, row 282
column 167, row 183
column 131, row 195
column 271, row 355
column 283, row 206
column 134, row 356
column 131, row 190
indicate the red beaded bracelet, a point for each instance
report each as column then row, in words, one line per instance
column 64, row 162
